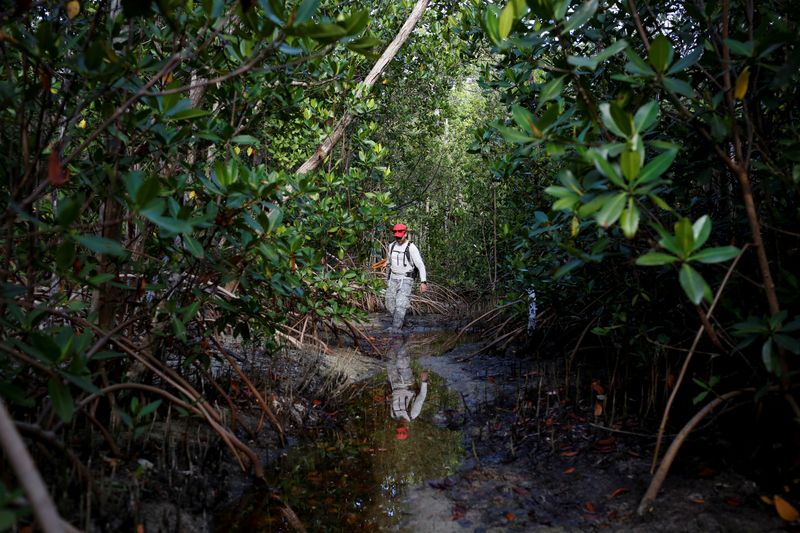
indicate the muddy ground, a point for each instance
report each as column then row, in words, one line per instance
column 511, row 453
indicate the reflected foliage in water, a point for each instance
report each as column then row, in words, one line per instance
column 353, row 475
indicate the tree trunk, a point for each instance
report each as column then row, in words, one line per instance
column 323, row 150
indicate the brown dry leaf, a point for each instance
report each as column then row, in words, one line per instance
column 598, row 409
column 619, row 491
column 589, row 506
column 139, row 528
column 606, row 442
column 669, row 381
column 55, row 174
column 785, row 509
column 597, row 388
column 570, row 470
column 696, row 498
column 766, row 499
column 569, row 454
column 510, row 516
column 733, row 501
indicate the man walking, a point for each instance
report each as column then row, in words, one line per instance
column 405, row 263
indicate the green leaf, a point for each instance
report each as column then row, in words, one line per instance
column 524, row 119
column 646, row 116
column 305, row 10
column 194, row 246
column 656, row 167
column 605, row 168
column 629, row 220
column 611, row 50
column 630, row 161
column 766, row 356
column 701, row 229
column 582, row 62
column 275, row 217
column 677, row 86
column 684, row 236
column 660, row 55
column 189, row 114
column 716, row 255
column 245, row 139
column 507, row 18
column 101, row 245
column 660, row 202
column 63, row 404
column 148, row 409
column 686, row 62
column 655, row 259
column 552, row 90
column 745, row 49
column 580, row 16
column 513, row 135
column 608, row 115
column 637, row 65
column 693, row 284
column 612, row 210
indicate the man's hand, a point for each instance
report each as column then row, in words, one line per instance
column 423, row 287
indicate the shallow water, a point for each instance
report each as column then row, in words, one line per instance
column 354, row 472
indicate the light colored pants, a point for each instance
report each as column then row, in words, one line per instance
column 398, row 298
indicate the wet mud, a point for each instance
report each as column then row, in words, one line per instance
column 497, row 446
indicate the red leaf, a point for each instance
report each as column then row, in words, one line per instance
column 706, row 472
column 733, row 501
column 606, row 442
column 597, row 388
column 55, row 174
column 521, row 491
column 619, row 491
column 589, row 506
column 570, row 470
column 569, row 454
column 510, row 516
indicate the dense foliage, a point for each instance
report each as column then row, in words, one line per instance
column 664, row 136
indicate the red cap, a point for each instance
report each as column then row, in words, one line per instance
column 401, row 433
column 399, row 230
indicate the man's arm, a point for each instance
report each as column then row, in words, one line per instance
column 416, row 257
column 420, row 399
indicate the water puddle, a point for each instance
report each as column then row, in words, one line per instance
column 355, row 472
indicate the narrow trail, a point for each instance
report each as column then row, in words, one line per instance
column 497, row 446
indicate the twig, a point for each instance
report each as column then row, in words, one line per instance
column 646, row 504
column 22, row 463
column 674, row 393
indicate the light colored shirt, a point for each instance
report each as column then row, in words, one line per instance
column 400, row 266
column 402, row 398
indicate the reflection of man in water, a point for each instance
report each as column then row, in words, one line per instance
column 406, row 404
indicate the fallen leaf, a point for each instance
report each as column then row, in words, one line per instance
column 619, row 491
column 767, row 500
column 510, row 516
column 706, row 472
column 785, row 509
column 521, row 491
column 597, row 388
column 570, row 470
column 569, row 454
column 606, row 442
column 139, row 528
column 598, row 409
column 733, row 501
column 696, row 498
column 589, row 506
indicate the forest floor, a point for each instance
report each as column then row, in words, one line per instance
column 497, row 447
